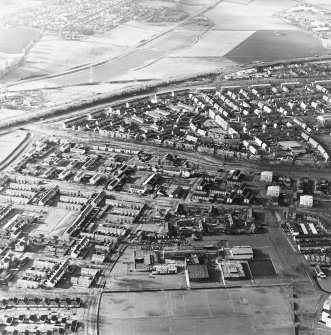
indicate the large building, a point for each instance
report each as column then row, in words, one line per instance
column 273, row 191
column 240, row 252
column 266, row 176
column 306, row 201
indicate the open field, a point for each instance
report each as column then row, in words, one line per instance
column 136, row 50
column 9, row 142
column 52, row 54
column 175, row 40
column 267, row 46
column 56, row 221
column 14, row 40
column 171, row 67
column 215, row 43
column 7, row 114
column 261, row 268
column 252, row 15
column 132, row 33
column 320, row 3
column 235, row 311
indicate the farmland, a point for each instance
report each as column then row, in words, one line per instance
column 269, row 45
column 215, row 43
column 140, row 50
column 235, row 311
column 14, row 40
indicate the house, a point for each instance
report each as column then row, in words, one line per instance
column 21, row 245
column 266, row 176
column 306, row 201
column 140, row 189
column 6, row 261
column 273, row 191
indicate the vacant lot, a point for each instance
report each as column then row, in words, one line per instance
column 269, row 45
column 14, row 40
column 235, row 311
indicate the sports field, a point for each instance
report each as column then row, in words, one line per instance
column 236, row 311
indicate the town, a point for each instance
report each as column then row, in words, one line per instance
column 141, row 190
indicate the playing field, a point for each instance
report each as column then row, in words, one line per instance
column 236, row 311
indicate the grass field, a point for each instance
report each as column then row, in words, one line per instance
column 261, row 268
column 208, row 312
column 14, row 40
column 268, row 46
column 215, row 43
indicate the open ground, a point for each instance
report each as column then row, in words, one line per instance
column 235, row 311
column 158, row 51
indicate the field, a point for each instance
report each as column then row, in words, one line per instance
column 51, row 55
column 14, row 40
column 269, row 46
column 9, row 142
column 320, row 3
column 252, row 15
column 175, row 40
column 261, row 268
column 235, row 311
column 7, row 114
column 215, row 43
column 213, row 39
column 56, row 222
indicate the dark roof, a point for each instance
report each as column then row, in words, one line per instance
column 198, row 271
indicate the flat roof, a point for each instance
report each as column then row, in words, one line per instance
column 197, row 271
column 290, row 144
